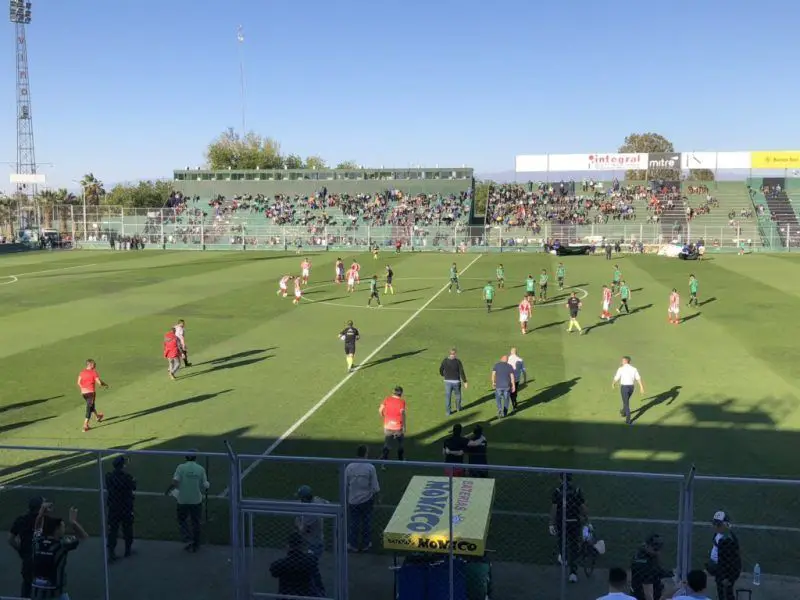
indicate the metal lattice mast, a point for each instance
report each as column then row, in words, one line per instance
column 20, row 15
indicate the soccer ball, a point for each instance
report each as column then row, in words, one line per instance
column 341, row 337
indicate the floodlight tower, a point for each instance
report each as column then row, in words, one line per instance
column 19, row 13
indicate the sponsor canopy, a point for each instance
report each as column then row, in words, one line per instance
column 420, row 521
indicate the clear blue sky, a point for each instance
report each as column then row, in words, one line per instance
column 134, row 88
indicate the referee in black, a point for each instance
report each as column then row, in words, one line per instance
column 349, row 335
column 627, row 376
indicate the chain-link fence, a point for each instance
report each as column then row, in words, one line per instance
column 218, row 525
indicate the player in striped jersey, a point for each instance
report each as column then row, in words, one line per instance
column 674, row 310
column 606, row 303
column 305, row 269
column 283, row 285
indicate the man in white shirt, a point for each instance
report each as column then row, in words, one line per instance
column 617, row 585
column 695, row 587
column 362, row 489
column 520, row 374
column 180, row 333
column 627, row 376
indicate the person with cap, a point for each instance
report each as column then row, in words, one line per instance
column 311, row 526
column 725, row 563
column 617, row 585
column 120, row 490
column 647, row 575
column 627, row 376
column 503, row 384
column 694, row 586
column 51, row 548
column 565, row 525
column 393, row 410
column 297, row 572
column 452, row 371
column 189, row 484
column 20, row 538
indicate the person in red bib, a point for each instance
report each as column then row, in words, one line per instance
column 88, row 380
column 393, row 411
column 172, row 352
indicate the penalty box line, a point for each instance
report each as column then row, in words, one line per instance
column 339, row 385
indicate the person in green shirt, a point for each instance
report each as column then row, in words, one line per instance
column 617, row 279
column 454, row 279
column 488, row 295
column 561, row 273
column 693, row 285
column 543, row 279
column 501, row 277
column 625, row 295
column 189, row 485
column 373, row 291
column 530, row 287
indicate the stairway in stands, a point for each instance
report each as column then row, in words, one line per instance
column 783, row 213
column 674, row 224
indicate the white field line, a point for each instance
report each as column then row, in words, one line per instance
column 339, row 385
column 53, row 270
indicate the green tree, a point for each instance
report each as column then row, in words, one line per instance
column 7, row 215
column 701, row 175
column 293, row 162
column 93, row 189
column 348, row 165
column 252, row 151
column 145, row 194
column 647, row 143
column 315, row 162
column 482, row 190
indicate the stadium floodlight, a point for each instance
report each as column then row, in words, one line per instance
column 19, row 11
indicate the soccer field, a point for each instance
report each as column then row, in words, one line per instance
column 270, row 377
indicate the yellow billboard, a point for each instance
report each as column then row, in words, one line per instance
column 779, row 159
column 420, row 522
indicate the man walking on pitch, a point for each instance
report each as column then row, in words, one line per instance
column 617, row 279
column 172, row 352
column 693, row 285
column 373, row 291
column 530, row 287
column 624, row 295
column 452, row 371
column 389, row 278
column 627, row 376
column 503, row 384
column 574, row 306
column 180, row 333
column 393, row 411
column 454, row 279
column 501, row 277
column 561, row 274
column 349, row 335
column 88, row 380
column 488, row 295
column 525, row 309
column 543, row 279
column 520, row 374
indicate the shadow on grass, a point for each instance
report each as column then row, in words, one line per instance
column 227, row 365
column 116, row 420
column 422, row 289
column 21, row 424
column 709, row 301
column 28, row 403
column 388, row 359
column 548, row 325
column 690, row 317
column 666, row 398
column 395, row 302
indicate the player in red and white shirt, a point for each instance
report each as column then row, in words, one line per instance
column 298, row 290
column 283, row 285
column 674, row 310
column 606, row 303
column 305, row 268
column 525, row 309
column 355, row 267
column 352, row 277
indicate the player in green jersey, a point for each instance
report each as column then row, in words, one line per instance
column 561, row 273
column 501, row 277
column 373, row 291
column 530, row 287
column 543, row 279
column 488, row 295
column 616, row 280
column 693, row 286
column 624, row 295
column 454, row 279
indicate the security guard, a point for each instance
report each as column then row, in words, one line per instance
column 568, row 524
column 725, row 563
column 120, row 489
column 646, row 571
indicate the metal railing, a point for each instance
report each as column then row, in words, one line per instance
column 497, row 542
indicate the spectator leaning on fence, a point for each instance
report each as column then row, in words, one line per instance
column 647, row 575
column 311, row 526
column 20, row 538
column 298, row 572
column 362, row 489
column 51, row 546
column 120, row 489
column 725, row 563
column 617, row 585
column 189, row 484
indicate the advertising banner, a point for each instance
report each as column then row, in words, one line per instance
column 616, row 162
column 664, row 161
column 699, row 160
column 780, row 159
column 568, row 162
column 531, row 163
column 421, row 521
column 733, row 160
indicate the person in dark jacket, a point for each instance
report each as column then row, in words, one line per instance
column 20, row 538
column 725, row 564
column 452, row 371
column 120, row 489
column 647, row 574
column 477, row 453
column 298, row 572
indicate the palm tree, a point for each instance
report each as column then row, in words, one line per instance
column 93, row 189
column 7, row 216
column 48, row 200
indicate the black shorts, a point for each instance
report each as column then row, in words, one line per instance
column 560, row 280
column 89, row 397
column 693, row 295
column 348, row 349
column 373, row 294
column 624, row 300
column 388, row 281
column 573, row 314
column 542, row 288
column 488, row 301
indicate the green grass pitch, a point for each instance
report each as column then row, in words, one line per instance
column 721, row 388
